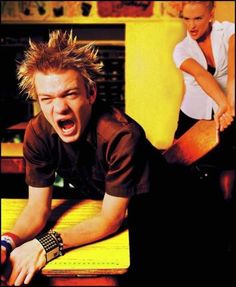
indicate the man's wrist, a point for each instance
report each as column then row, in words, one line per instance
column 39, row 246
column 52, row 244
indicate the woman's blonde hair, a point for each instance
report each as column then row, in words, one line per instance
column 61, row 52
column 179, row 5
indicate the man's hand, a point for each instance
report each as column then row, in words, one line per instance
column 23, row 263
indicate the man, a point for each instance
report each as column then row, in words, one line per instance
column 99, row 150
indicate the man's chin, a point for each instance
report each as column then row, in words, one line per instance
column 69, row 139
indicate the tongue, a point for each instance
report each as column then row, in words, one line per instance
column 67, row 124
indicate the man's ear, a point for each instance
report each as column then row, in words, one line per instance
column 92, row 95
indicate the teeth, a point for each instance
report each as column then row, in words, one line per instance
column 67, row 131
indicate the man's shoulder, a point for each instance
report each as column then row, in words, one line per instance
column 39, row 126
column 113, row 121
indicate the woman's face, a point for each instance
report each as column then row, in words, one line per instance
column 197, row 18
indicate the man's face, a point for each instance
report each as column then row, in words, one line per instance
column 64, row 102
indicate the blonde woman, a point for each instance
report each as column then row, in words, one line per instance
column 206, row 59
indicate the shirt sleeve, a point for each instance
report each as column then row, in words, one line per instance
column 180, row 54
column 39, row 167
column 229, row 30
column 129, row 170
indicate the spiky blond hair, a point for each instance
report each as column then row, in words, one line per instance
column 61, row 52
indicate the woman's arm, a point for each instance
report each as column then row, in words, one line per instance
column 231, row 74
column 223, row 116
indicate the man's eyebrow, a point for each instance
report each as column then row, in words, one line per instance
column 62, row 93
column 72, row 89
column 45, row 95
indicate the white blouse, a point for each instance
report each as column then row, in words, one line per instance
column 196, row 103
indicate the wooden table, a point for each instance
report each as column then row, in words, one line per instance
column 96, row 264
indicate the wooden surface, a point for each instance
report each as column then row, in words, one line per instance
column 91, row 263
column 194, row 144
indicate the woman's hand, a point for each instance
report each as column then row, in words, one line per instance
column 223, row 117
column 23, row 263
column 231, row 100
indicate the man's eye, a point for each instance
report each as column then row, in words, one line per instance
column 45, row 99
column 72, row 95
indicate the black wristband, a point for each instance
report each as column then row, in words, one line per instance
column 52, row 244
column 8, row 247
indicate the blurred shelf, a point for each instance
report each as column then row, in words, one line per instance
column 18, row 126
column 12, row 149
column 12, row 160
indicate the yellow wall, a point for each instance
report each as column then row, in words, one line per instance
column 154, row 87
column 225, row 10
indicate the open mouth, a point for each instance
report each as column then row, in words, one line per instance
column 67, row 126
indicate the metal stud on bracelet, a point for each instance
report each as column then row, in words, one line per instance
column 57, row 236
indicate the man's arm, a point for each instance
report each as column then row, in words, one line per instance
column 35, row 215
column 106, row 222
column 30, row 257
column 223, row 117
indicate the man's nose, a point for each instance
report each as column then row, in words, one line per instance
column 60, row 105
